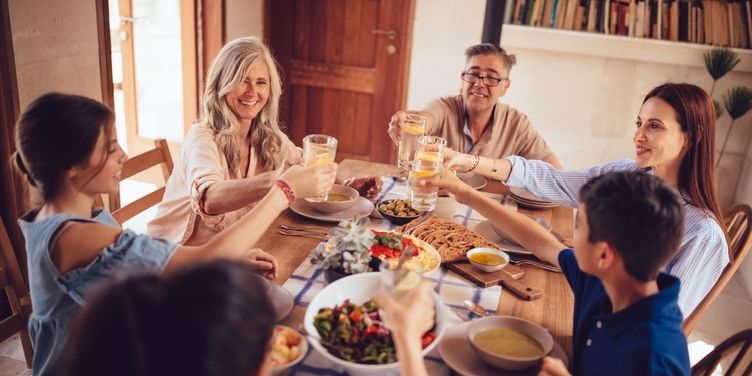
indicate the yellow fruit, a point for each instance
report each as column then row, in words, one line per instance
column 413, row 129
column 318, row 156
column 424, row 174
column 429, row 156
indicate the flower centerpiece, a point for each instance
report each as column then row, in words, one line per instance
column 347, row 251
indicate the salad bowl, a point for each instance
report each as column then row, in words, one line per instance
column 359, row 289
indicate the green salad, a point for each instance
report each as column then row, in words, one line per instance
column 356, row 333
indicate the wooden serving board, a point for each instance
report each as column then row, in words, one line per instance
column 507, row 277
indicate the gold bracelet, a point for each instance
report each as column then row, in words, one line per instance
column 477, row 160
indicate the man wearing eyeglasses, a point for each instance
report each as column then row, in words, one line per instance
column 476, row 122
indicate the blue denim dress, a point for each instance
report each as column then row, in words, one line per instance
column 56, row 298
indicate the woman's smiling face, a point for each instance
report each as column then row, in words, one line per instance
column 250, row 96
column 659, row 139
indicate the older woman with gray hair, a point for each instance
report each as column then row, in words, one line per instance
column 231, row 156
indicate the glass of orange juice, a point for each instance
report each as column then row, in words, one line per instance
column 427, row 164
column 319, row 149
column 414, row 126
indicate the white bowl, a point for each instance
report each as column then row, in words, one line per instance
column 286, row 368
column 506, row 362
column 336, row 207
column 360, row 288
column 503, row 235
column 485, row 267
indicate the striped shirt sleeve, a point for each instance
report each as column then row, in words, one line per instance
column 562, row 187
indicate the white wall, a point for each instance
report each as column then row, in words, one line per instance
column 56, row 48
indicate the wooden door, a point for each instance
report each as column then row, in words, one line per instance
column 345, row 66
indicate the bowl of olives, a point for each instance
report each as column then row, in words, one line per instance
column 398, row 211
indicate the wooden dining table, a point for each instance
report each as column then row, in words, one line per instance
column 553, row 311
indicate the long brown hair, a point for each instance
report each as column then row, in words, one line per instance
column 696, row 114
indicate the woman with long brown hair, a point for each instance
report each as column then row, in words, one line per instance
column 674, row 140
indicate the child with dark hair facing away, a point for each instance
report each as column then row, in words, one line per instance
column 208, row 319
column 67, row 148
column 626, row 317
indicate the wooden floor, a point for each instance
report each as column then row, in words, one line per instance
column 728, row 315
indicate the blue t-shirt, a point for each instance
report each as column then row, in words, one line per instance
column 645, row 338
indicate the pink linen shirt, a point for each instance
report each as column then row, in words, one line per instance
column 181, row 216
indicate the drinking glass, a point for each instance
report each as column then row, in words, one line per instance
column 427, row 165
column 397, row 282
column 414, row 126
column 319, row 149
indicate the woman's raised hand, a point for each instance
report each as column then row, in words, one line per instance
column 309, row 181
column 449, row 182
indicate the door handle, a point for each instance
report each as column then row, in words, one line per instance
column 391, row 34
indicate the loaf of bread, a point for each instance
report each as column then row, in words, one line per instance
column 451, row 239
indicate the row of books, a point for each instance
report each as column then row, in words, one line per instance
column 717, row 22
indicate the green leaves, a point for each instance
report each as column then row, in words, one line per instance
column 737, row 101
column 720, row 61
column 718, row 109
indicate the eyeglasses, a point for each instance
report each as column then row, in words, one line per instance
column 487, row 80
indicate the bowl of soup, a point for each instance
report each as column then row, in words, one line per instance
column 509, row 342
column 340, row 198
column 487, row 259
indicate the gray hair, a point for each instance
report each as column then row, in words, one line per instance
column 225, row 74
column 509, row 60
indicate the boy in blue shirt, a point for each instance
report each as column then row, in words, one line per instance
column 628, row 225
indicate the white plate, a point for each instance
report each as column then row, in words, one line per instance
column 526, row 196
column 425, row 246
column 362, row 207
column 486, row 230
column 474, row 180
column 456, row 352
column 281, row 299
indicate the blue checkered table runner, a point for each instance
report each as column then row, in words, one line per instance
column 306, row 281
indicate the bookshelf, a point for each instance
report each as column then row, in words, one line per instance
column 725, row 23
column 613, row 46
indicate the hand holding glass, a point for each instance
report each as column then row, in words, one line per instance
column 319, row 149
column 413, row 126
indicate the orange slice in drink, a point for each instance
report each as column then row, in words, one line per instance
column 413, row 129
column 424, row 174
column 429, row 156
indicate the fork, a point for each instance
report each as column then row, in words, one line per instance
column 534, row 264
column 304, row 234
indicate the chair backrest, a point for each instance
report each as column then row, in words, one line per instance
column 20, row 308
column 160, row 155
column 737, row 346
column 739, row 236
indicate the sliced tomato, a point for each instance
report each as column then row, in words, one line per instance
column 427, row 338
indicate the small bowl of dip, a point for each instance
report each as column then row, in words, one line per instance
column 487, row 259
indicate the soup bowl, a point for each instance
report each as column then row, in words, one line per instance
column 504, row 361
column 338, row 191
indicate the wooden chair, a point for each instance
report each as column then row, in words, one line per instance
column 739, row 345
column 11, row 282
column 160, row 155
column 739, row 241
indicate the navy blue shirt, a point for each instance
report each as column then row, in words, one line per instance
column 645, row 338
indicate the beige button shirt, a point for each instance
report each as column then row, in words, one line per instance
column 509, row 134
column 181, row 216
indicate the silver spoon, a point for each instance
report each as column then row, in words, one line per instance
column 477, row 309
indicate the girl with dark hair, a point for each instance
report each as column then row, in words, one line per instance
column 674, row 140
column 212, row 319
column 67, row 147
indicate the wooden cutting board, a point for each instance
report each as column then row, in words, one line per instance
column 507, row 277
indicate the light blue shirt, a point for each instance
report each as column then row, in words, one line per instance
column 702, row 255
column 56, row 298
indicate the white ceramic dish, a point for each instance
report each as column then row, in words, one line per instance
column 361, row 207
column 486, row 230
column 425, row 246
column 523, row 198
column 503, row 235
column 359, row 288
column 456, row 352
column 474, row 180
column 484, row 267
column 535, row 331
column 281, row 299
column 286, row 368
column 330, row 207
